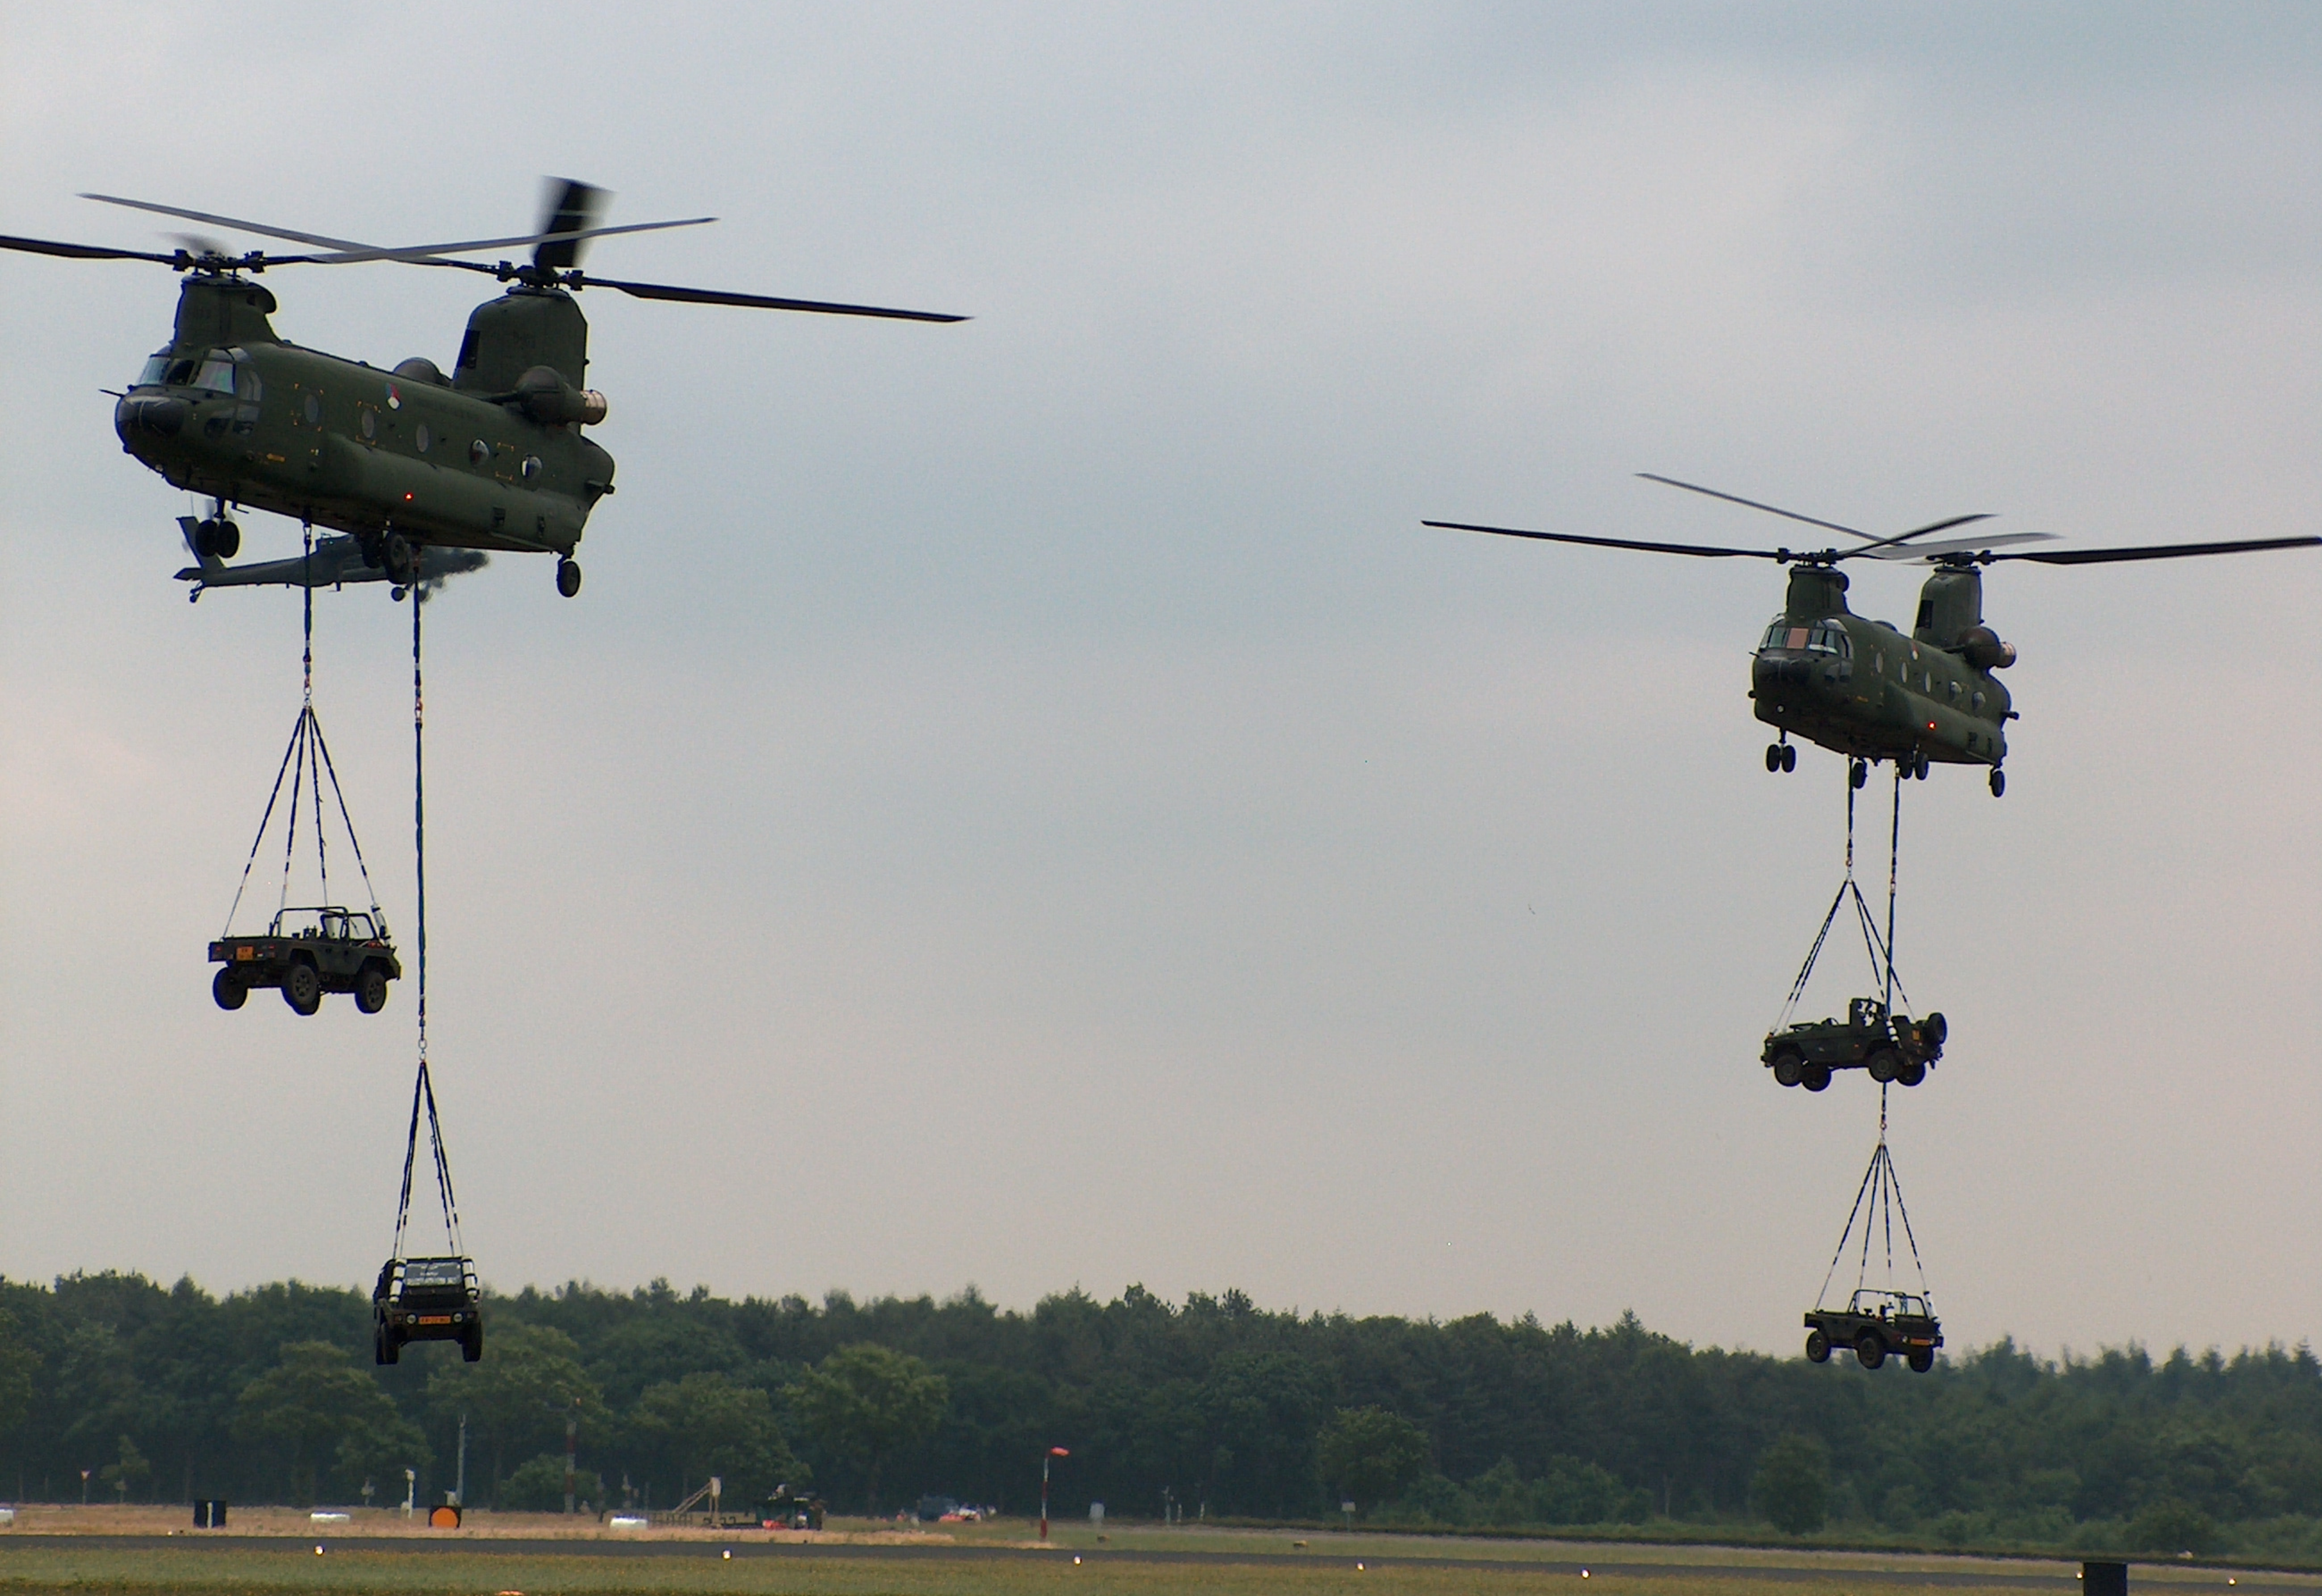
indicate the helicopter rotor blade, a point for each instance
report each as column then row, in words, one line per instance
column 1901, row 538
column 572, row 205
column 2157, row 550
column 356, row 254
column 41, row 246
column 1956, row 545
column 1733, row 499
column 1618, row 543
column 259, row 228
column 755, row 301
column 349, row 252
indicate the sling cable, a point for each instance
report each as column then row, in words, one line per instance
column 434, row 1298
column 311, row 949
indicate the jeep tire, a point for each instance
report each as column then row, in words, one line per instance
column 302, row 988
column 1870, row 1349
column 226, row 987
column 1817, row 1077
column 1923, row 1359
column 1817, row 1347
column 1884, row 1064
column 1912, row 1073
column 472, row 1342
column 371, row 988
column 1789, row 1066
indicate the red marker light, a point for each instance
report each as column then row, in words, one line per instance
column 1059, row 1452
column 407, row 498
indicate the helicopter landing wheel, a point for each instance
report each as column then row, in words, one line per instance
column 225, row 540
column 1773, row 758
column 568, row 576
column 1859, row 774
column 1998, row 782
column 395, row 554
column 1789, row 757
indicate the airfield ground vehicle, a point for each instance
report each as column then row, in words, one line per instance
column 426, row 1299
column 336, row 950
column 1891, row 1047
column 792, row 1508
column 1874, row 1323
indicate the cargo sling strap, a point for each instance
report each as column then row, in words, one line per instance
column 307, row 763
column 423, row 1089
column 1877, row 1203
column 1881, row 949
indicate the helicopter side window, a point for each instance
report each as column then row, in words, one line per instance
column 246, row 385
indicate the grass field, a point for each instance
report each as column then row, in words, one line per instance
column 274, row 1550
column 360, row 1572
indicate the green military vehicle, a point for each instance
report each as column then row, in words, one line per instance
column 307, row 952
column 1891, row 1047
column 1875, row 1324
column 426, row 1299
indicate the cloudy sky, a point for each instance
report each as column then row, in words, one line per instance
column 1025, row 803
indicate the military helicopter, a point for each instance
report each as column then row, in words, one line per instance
column 488, row 458
column 1862, row 689
column 333, row 562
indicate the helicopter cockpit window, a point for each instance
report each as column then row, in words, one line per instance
column 157, row 370
column 217, row 373
column 1830, row 640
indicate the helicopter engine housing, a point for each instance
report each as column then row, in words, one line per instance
column 1981, row 648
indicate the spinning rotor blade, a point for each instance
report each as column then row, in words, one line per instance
column 1871, row 543
column 1617, row 543
column 41, row 246
column 1732, row 498
column 349, row 252
column 2159, row 551
column 238, row 226
column 1957, row 545
column 355, row 254
column 754, row 301
column 572, row 207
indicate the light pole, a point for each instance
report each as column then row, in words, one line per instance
column 1053, row 1452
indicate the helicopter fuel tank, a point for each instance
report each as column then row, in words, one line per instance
column 525, row 327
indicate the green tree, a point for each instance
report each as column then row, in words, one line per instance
column 537, row 1486
column 1369, row 1455
column 314, row 1398
column 708, row 1424
column 864, row 1401
column 2173, row 1525
column 1791, row 1486
column 520, row 1395
column 19, row 1366
column 126, row 1473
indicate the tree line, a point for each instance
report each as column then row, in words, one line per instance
column 1214, row 1404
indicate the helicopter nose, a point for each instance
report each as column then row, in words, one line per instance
column 157, row 415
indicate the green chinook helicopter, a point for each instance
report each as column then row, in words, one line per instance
column 1861, row 688
column 489, row 458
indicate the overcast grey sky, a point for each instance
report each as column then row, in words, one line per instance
column 1026, row 803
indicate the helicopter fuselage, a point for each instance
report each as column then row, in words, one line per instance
column 1862, row 689
column 230, row 411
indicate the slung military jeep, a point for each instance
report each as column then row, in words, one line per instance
column 1875, row 1324
column 307, row 952
column 426, row 1299
column 1891, row 1047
